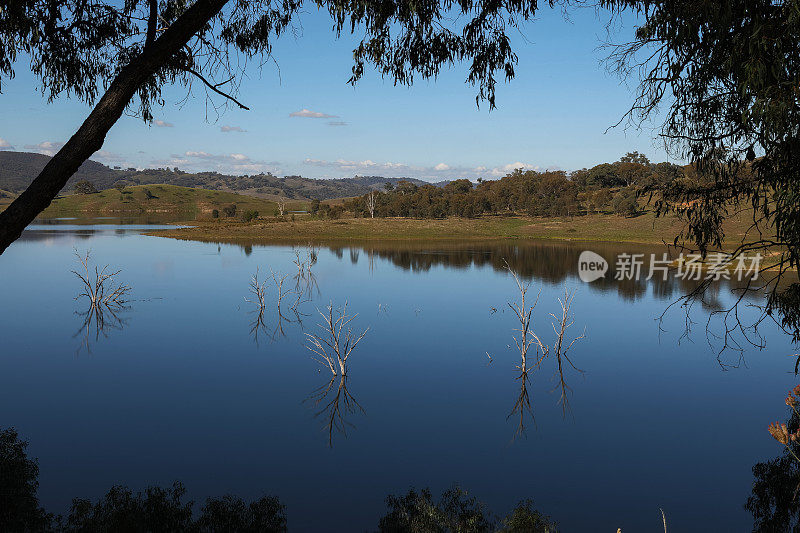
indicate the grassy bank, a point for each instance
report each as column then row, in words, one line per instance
column 645, row 228
column 184, row 201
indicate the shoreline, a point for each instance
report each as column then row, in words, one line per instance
column 645, row 229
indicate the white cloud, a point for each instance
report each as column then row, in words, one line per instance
column 233, row 163
column 5, row 145
column 307, row 113
column 511, row 167
column 226, row 129
column 47, row 147
column 109, row 158
column 162, row 124
column 438, row 172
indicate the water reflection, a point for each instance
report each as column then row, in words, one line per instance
column 334, row 404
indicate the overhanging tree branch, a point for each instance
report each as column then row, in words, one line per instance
column 215, row 88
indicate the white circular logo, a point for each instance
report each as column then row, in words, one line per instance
column 591, row 266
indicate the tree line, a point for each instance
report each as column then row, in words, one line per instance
column 603, row 188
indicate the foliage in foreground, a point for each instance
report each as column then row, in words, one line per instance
column 158, row 509
column 775, row 502
column 458, row 513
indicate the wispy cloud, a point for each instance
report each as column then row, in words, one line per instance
column 47, row 147
column 5, row 145
column 307, row 113
column 440, row 171
column 162, row 124
column 501, row 171
column 337, row 123
column 104, row 156
column 227, row 129
column 233, row 163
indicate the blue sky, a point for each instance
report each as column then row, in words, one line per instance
column 554, row 114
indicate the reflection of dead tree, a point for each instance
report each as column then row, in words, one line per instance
column 522, row 405
column 278, row 280
column 258, row 325
column 106, row 298
column 560, row 326
column 305, row 281
column 336, row 344
column 335, row 410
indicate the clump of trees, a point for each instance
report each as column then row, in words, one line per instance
column 85, row 187
column 550, row 193
column 456, row 511
column 249, row 215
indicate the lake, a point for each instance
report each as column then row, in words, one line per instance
column 185, row 383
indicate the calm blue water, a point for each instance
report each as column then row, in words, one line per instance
column 179, row 389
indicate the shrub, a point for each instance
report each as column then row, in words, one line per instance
column 250, row 215
column 215, row 213
column 85, row 187
column 625, row 203
column 335, row 212
column 229, row 210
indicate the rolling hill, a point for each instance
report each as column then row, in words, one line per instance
column 18, row 169
column 157, row 199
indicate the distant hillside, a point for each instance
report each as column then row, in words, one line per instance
column 18, row 169
column 192, row 203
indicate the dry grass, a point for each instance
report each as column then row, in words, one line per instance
column 645, row 228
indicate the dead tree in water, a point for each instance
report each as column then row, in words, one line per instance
column 526, row 338
column 336, row 344
column 100, row 288
column 106, row 297
column 561, row 323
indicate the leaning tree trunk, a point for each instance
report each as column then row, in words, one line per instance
column 90, row 136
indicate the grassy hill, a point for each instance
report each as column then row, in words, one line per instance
column 184, row 201
column 18, row 169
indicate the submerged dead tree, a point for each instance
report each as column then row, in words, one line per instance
column 533, row 351
column 106, row 298
column 337, row 341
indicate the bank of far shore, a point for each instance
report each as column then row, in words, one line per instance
column 643, row 229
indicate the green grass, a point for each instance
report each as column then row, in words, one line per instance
column 182, row 201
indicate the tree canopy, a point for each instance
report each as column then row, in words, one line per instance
column 726, row 76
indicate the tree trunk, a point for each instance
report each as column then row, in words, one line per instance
column 90, row 136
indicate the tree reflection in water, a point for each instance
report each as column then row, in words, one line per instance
column 333, row 405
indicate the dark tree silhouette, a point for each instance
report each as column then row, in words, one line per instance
column 19, row 482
